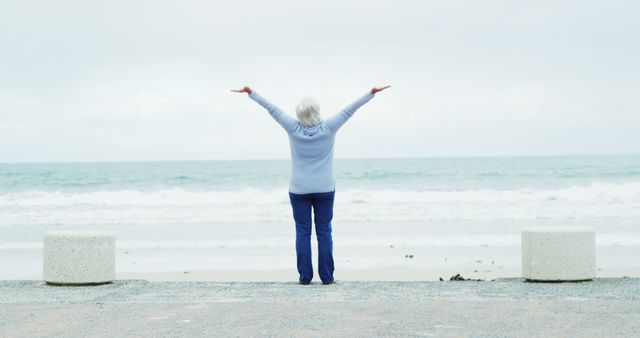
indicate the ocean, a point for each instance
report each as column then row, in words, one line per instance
column 380, row 203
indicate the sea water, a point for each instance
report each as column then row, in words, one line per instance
column 244, row 205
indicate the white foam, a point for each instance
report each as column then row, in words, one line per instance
column 179, row 206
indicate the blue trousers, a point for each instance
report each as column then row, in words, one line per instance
column 322, row 204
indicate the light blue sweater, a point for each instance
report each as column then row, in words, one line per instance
column 311, row 147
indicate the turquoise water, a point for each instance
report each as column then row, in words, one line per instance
column 406, row 174
column 412, row 202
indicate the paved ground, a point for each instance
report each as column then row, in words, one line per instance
column 505, row 307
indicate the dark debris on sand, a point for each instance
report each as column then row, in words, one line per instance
column 457, row 277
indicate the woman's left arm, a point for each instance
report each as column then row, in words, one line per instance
column 335, row 122
column 287, row 122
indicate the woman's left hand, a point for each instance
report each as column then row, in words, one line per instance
column 245, row 89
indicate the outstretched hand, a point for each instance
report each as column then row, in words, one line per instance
column 378, row 89
column 245, row 89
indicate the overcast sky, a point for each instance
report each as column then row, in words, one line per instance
column 149, row 80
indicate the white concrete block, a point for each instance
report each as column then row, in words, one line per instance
column 79, row 257
column 558, row 254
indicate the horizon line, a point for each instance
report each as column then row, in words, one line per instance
column 336, row 158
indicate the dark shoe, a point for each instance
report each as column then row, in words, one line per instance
column 328, row 282
column 304, row 283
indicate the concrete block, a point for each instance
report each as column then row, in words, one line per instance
column 79, row 257
column 557, row 254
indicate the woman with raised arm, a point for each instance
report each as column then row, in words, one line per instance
column 312, row 184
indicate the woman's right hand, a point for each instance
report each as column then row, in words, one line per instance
column 374, row 90
column 245, row 89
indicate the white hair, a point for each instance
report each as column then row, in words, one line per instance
column 308, row 112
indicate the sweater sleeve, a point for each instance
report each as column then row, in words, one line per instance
column 287, row 122
column 335, row 122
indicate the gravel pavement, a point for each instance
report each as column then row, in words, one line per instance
column 503, row 307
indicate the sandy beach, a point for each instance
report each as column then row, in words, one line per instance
column 352, row 264
column 358, row 264
column 389, row 274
